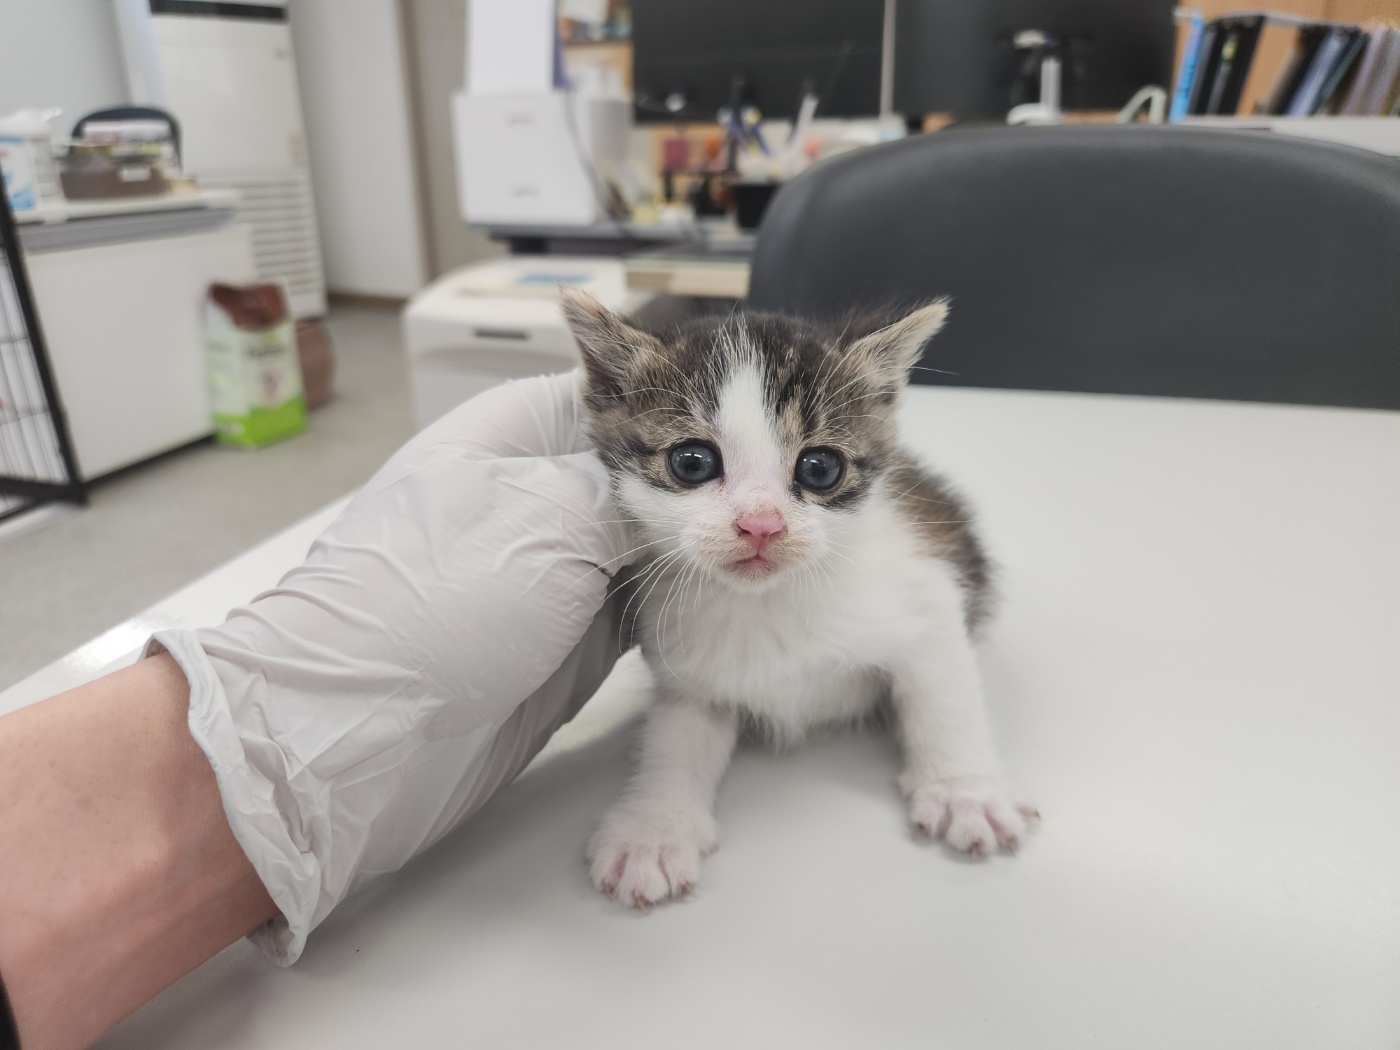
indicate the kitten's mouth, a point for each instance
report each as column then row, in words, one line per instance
column 755, row 568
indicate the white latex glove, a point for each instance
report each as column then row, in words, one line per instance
column 440, row 630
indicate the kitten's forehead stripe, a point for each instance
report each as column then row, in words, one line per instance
column 747, row 428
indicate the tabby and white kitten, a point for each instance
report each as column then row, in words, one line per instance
column 799, row 568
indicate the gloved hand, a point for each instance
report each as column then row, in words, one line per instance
column 439, row 631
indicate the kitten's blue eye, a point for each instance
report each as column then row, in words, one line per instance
column 694, row 463
column 819, row 469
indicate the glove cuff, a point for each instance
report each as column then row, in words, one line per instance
column 292, row 876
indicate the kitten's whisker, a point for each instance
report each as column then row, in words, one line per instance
column 663, row 408
column 654, row 573
column 802, row 578
column 686, row 577
column 922, row 499
column 831, row 395
column 686, row 381
column 673, row 522
column 600, row 568
column 704, row 578
column 846, row 556
column 640, row 581
column 836, row 359
column 678, row 551
column 829, row 398
column 665, row 611
column 661, row 626
column 654, row 566
column 906, row 494
column 634, row 390
column 848, row 401
column 678, row 590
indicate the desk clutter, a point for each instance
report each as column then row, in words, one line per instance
column 219, row 99
column 1274, row 64
column 113, row 154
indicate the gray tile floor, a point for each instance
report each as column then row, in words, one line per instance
column 71, row 574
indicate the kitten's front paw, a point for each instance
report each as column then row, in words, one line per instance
column 640, row 859
column 971, row 814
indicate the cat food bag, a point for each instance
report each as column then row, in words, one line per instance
column 254, row 371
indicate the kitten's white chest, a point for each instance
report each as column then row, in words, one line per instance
column 814, row 649
column 760, row 653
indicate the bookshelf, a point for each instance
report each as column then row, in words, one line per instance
column 1295, row 58
column 1327, row 10
column 1322, row 10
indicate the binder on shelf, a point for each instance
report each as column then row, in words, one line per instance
column 1329, row 97
column 1285, row 79
column 1376, row 43
column 1242, row 38
column 1271, row 55
column 1328, row 53
column 1207, row 60
column 1186, row 76
column 1380, row 92
column 1220, row 73
column 1310, row 40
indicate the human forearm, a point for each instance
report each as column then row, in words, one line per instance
column 118, row 870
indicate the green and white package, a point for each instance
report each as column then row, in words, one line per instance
column 254, row 371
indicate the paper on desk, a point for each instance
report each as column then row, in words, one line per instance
column 511, row 47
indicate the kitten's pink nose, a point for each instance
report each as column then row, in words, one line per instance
column 759, row 530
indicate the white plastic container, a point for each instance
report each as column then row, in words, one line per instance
column 26, row 158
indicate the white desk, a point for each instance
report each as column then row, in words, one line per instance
column 1195, row 673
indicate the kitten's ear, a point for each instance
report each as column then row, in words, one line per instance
column 612, row 349
column 892, row 351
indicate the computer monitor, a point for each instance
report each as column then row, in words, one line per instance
column 690, row 57
column 957, row 56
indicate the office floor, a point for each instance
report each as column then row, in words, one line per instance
column 66, row 575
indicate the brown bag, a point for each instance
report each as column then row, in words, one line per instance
column 317, row 362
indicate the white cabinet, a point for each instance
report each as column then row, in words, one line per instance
column 123, row 324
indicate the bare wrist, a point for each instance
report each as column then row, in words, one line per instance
column 121, row 872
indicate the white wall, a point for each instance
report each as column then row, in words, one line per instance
column 60, row 53
column 359, row 133
column 438, row 30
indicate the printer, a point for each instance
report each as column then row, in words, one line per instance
column 478, row 326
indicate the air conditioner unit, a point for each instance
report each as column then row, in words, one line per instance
column 225, row 71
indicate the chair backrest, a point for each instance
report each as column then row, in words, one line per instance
column 1135, row 260
column 118, row 113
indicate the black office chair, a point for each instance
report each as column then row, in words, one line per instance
column 1133, row 260
column 119, row 113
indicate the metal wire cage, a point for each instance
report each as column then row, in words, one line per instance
column 37, row 464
